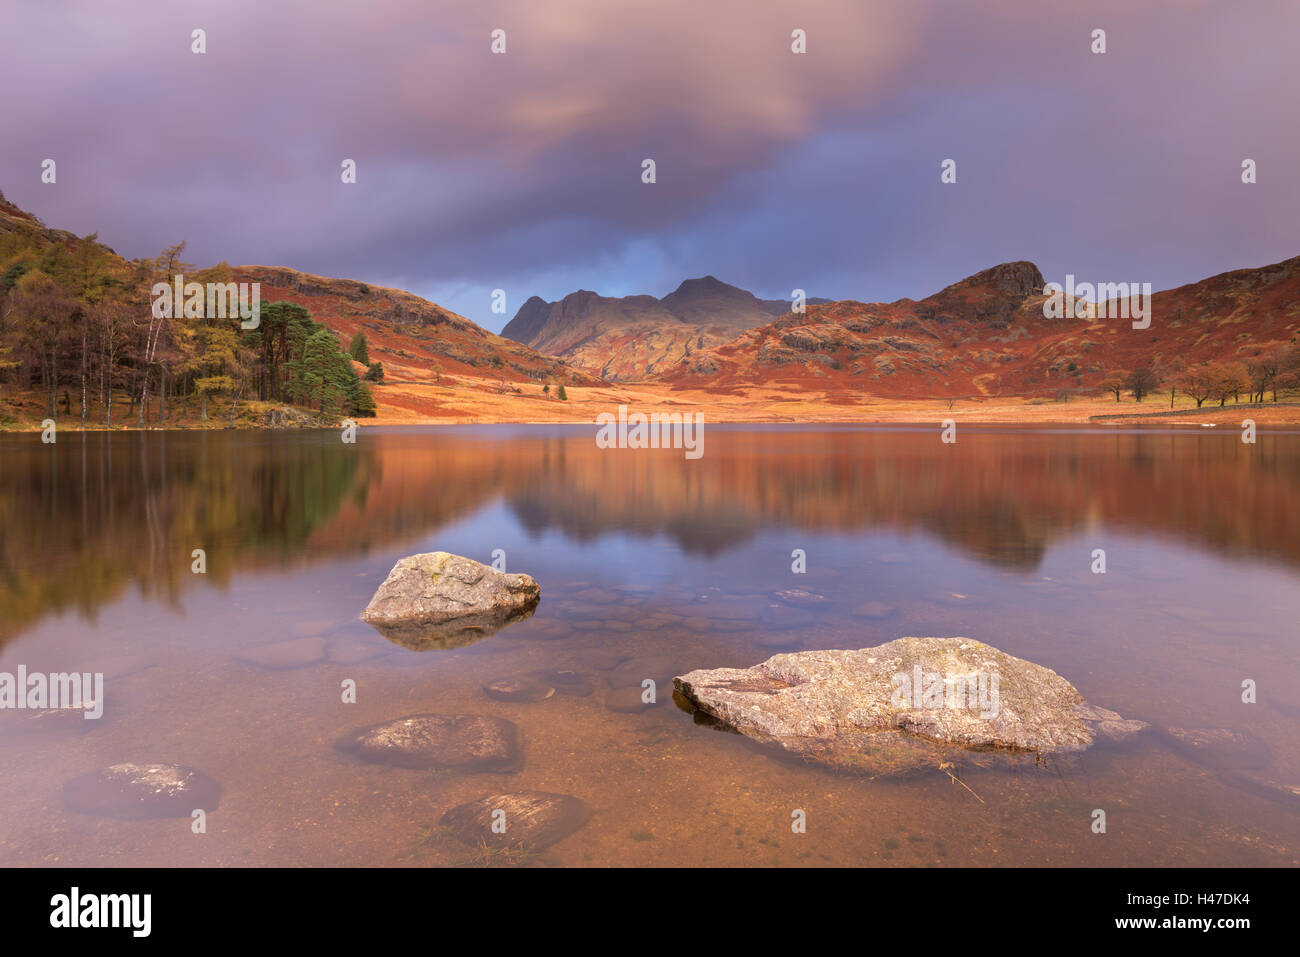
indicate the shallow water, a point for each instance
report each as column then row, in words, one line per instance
column 640, row 554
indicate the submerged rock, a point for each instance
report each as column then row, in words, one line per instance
column 566, row 681
column 285, row 655
column 62, row 719
column 526, row 688
column 538, row 685
column 142, row 791
column 440, row 600
column 1261, row 786
column 1219, row 748
column 801, row 598
column 462, row 742
column 631, row 700
column 602, row 659
column 785, row 618
column 631, row 673
column 875, row 610
column 902, row 706
column 350, row 651
column 532, row 820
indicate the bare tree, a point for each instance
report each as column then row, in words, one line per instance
column 1142, row 381
column 1116, row 382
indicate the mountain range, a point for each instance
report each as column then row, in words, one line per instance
column 633, row 338
column 986, row 335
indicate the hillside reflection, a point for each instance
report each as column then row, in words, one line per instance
column 84, row 520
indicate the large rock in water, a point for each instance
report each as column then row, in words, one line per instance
column 863, row 709
column 440, row 600
column 142, row 791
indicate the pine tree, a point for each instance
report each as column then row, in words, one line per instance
column 359, row 348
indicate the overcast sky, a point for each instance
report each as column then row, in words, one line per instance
column 775, row 170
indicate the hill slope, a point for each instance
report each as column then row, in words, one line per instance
column 75, row 317
column 415, row 339
column 987, row 335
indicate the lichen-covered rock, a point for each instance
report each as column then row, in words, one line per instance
column 440, row 600
column 142, row 791
column 902, row 706
column 526, row 820
column 462, row 742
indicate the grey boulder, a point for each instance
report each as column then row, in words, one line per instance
column 866, row 710
column 440, row 600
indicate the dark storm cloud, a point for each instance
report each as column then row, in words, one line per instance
column 774, row 170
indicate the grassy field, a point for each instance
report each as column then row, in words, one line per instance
column 463, row 400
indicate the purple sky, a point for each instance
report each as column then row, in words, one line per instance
column 775, row 170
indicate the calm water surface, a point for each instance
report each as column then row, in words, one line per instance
column 646, row 554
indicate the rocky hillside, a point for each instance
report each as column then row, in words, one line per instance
column 987, row 336
column 415, row 339
column 634, row 337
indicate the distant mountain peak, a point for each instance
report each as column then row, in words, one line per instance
column 628, row 337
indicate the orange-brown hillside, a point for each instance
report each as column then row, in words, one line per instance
column 416, row 340
column 987, row 336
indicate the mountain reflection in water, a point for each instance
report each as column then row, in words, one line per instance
column 85, row 519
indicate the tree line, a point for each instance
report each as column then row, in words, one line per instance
column 1272, row 371
column 77, row 327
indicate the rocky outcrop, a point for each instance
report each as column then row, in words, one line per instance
column 136, row 791
column 440, row 600
column 902, row 706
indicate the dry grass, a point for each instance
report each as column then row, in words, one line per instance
column 470, row 401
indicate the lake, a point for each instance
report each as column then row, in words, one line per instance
column 646, row 554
